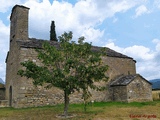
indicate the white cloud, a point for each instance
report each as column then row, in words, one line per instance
column 157, row 3
column 2, row 71
column 81, row 18
column 4, row 45
column 141, row 10
column 139, row 52
column 6, row 4
column 157, row 42
column 113, row 46
column 147, row 61
column 115, row 20
column 4, row 37
column 66, row 18
column 157, row 54
column 92, row 34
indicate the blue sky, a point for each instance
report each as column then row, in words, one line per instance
column 127, row 26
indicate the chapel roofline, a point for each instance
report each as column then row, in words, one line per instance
column 37, row 43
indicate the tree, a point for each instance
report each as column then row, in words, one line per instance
column 53, row 36
column 70, row 67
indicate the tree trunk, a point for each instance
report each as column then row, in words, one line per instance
column 66, row 103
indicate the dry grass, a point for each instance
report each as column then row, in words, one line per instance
column 156, row 95
column 99, row 111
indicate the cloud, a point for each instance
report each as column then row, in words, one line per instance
column 157, row 3
column 157, row 42
column 157, row 54
column 141, row 10
column 140, row 53
column 147, row 60
column 4, row 45
column 5, row 5
column 2, row 71
column 66, row 17
column 4, row 37
column 113, row 46
column 83, row 18
column 115, row 20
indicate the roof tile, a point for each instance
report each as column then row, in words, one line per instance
column 37, row 43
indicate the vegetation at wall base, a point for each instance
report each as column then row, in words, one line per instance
column 99, row 110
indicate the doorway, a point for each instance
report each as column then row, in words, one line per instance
column 10, row 96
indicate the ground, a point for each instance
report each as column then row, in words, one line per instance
column 97, row 111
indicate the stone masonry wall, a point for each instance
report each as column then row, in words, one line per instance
column 12, row 80
column 18, row 31
column 19, row 23
column 119, row 93
column 28, row 95
column 119, row 66
column 2, row 93
column 4, row 103
column 139, row 90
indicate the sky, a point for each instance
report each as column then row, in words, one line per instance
column 131, row 27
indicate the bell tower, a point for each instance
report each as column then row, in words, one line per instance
column 19, row 23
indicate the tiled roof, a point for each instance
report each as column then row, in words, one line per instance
column 124, row 80
column 111, row 53
column 37, row 43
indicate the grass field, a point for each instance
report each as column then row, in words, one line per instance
column 156, row 94
column 97, row 111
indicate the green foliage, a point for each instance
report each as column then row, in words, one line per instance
column 70, row 67
column 53, row 32
column 124, row 104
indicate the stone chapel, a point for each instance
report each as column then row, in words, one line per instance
column 124, row 83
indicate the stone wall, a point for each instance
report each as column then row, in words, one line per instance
column 28, row 95
column 4, row 103
column 12, row 79
column 2, row 93
column 18, row 31
column 139, row 90
column 19, row 23
column 119, row 66
column 119, row 93
column 25, row 94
